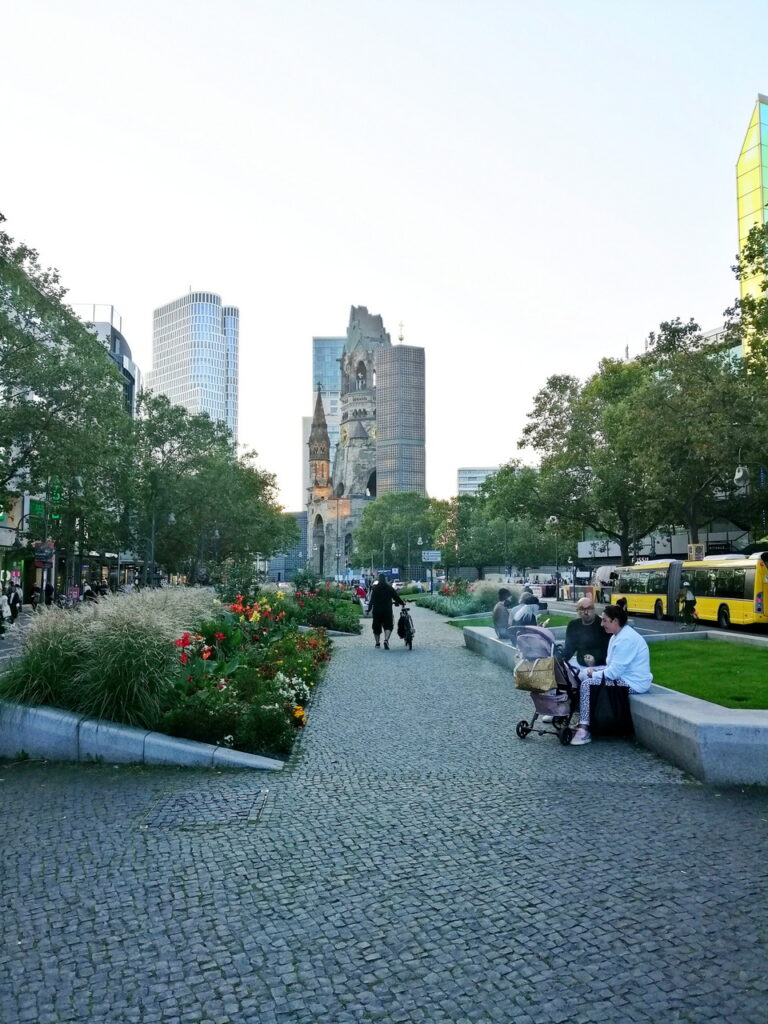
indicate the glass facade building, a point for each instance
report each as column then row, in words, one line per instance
column 326, row 371
column 469, row 478
column 752, row 184
column 195, row 343
column 400, row 416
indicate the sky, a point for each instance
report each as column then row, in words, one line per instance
column 527, row 188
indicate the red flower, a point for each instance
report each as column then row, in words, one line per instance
column 220, row 636
column 184, row 658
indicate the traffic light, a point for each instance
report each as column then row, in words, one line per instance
column 55, row 500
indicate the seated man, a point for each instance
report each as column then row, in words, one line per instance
column 586, row 642
column 501, row 615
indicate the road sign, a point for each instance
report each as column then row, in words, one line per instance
column 431, row 556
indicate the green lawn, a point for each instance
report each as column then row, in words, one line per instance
column 723, row 673
column 487, row 620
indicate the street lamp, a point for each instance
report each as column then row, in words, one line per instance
column 553, row 522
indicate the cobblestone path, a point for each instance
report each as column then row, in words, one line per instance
column 416, row 862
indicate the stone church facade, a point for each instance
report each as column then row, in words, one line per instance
column 338, row 494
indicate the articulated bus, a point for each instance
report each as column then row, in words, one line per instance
column 729, row 589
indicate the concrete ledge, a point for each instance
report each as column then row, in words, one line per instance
column 722, row 746
column 64, row 736
column 719, row 745
column 483, row 640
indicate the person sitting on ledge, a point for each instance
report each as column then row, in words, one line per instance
column 627, row 664
column 586, row 642
column 500, row 615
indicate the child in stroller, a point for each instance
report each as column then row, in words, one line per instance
column 556, row 705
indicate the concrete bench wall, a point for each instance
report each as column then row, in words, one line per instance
column 717, row 745
column 64, row 736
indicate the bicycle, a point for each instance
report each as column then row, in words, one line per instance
column 405, row 627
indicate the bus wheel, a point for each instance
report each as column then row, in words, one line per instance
column 658, row 611
column 724, row 617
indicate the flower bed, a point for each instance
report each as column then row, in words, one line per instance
column 179, row 663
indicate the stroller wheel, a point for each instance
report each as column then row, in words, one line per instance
column 522, row 729
column 565, row 736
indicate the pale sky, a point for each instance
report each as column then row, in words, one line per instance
column 527, row 187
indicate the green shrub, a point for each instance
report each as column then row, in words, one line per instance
column 113, row 659
column 208, row 716
column 265, row 729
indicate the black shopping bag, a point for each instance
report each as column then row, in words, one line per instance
column 609, row 713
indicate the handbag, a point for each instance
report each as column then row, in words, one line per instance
column 609, row 712
column 538, row 675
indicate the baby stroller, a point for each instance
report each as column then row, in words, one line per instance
column 405, row 627
column 536, row 644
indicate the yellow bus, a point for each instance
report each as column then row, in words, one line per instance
column 729, row 589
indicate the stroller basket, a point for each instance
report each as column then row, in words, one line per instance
column 551, row 703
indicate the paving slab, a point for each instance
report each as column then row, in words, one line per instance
column 415, row 861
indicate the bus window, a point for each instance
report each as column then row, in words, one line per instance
column 730, row 583
column 657, row 582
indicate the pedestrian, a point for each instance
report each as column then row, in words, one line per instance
column 5, row 612
column 627, row 664
column 88, row 593
column 380, row 603
column 34, row 597
column 48, row 591
column 14, row 602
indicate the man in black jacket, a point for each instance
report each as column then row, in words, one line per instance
column 380, row 603
column 585, row 638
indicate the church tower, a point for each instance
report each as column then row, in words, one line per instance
column 319, row 454
column 354, row 470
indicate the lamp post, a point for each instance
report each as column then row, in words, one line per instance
column 553, row 522
column 338, row 553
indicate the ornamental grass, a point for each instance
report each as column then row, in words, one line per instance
column 113, row 659
column 177, row 661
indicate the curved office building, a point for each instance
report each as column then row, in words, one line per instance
column 195, row 356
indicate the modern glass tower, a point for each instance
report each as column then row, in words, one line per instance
column 326, row 371
column 195, row 343
column 400, row 449
column 752, row 185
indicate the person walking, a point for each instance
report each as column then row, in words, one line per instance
column 14, row 602
column 380, row 602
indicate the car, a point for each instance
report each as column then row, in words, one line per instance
column 398, row 584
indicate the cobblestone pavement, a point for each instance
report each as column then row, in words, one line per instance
column 416, row 862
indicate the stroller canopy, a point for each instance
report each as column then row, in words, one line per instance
column 535, row 642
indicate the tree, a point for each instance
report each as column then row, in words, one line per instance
column 195, row 502
column 695, row 414
column 593, row 471
column 394, row 520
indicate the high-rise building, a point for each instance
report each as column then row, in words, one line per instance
column 108, row 325
column 195, row 344
column 469, row 478
column 752, row 185
column 400, row 450
column 326, row 371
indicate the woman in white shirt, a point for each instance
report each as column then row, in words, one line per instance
column 627, row 664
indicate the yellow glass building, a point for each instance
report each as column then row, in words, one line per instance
column 752, row 185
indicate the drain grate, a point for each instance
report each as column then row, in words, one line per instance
column 195, row 809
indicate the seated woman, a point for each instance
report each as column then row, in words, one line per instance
column 627, row 664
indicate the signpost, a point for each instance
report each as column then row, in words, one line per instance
column 431, row 557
